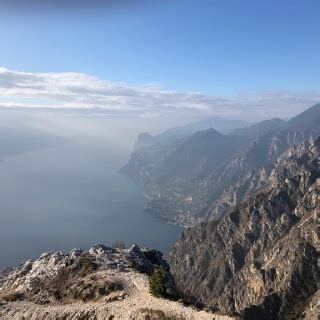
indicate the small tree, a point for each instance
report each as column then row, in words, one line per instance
column 158, row 282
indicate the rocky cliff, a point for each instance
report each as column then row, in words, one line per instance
column 260, row 260
column 102, row 283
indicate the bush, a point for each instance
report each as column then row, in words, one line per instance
column 159, row 283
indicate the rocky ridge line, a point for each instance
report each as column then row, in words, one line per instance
column 102, row 283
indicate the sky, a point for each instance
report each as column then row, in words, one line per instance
column 161, row 58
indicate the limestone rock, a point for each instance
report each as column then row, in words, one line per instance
column 260, row 260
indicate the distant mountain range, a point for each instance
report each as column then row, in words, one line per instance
column 172, row 135
column 189, row 178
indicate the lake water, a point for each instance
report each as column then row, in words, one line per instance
column 71, row 196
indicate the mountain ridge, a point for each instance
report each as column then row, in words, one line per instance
column 172, row 135
column 188, row 180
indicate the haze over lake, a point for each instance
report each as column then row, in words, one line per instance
column 66, row 193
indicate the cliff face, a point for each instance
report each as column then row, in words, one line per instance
column 102, row 283
column 260, row 260
column 246, row 172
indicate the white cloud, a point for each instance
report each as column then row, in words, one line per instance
column 80, row 91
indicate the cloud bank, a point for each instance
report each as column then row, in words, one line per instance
column 85, row 93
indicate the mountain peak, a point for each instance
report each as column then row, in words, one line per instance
column 209, row 133
column 306, row 119
column 144, row 140
column 145, row 135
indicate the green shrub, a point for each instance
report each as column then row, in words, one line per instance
column 159, row 282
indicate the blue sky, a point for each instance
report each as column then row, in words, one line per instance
column 218, row 48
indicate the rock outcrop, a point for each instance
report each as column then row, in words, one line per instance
column 260, row 260
column 102, row 283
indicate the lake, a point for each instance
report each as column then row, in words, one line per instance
column 70, row 195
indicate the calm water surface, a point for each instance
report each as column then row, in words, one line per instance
column 71, row 196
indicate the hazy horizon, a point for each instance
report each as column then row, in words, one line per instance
column 60, row 188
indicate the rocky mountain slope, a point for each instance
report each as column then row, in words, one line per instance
column 260, row 260
column 208, row 173
column 102, row 283
column 246, row 172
